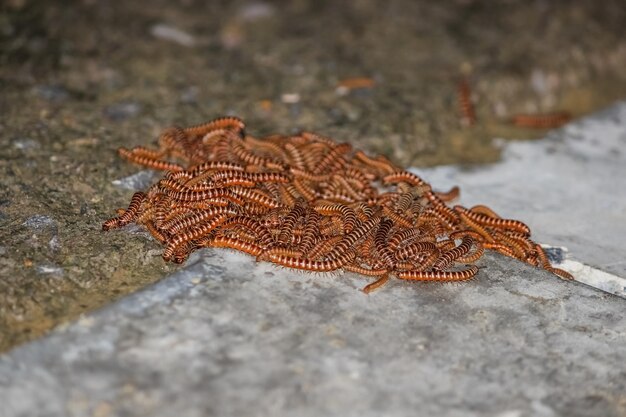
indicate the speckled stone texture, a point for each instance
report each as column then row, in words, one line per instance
column 226, row 336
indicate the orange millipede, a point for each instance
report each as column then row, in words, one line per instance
column 397, row 218
column 280, row 251
column 263, row 235
column 273, row 149
column 229, row 122
column 403, row 176
column 256, row 196
column 177, row 225
column 333, row 158
column 289, row 223
column 361, row 231
column 381, row 167
column 249, row 158
column 314, row 137
column 233, row 243
column 311, row 231
column 295, row 158
column 541, row 121
column 311, row 265
column 204, row 195
column 195, row 233
column 441, row 208
column 498, row 247
column 306, row 175
column 156, row 233
column 515, row 225
column 451, row 255
column 463, row 275
column 402, row 237
column 543, row 258
column 148, row 162
column 348, row 215
column 343, row 184
column 476, row 227
column 518, row 250
column 376, row 284
column 560, row 272
column 473, row 256
column 380, row 242
column 323, row 247
column 304, row 189
column 414, row 249
column 365, row 271
column 468, row 115
column 129, row 215
column 449, row 195
column 480, row 209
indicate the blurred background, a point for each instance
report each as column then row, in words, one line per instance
column 78, row 79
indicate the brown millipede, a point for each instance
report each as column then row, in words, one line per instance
column 541, row 121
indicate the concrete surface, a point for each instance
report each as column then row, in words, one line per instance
column 569, row 187
column 226, row 336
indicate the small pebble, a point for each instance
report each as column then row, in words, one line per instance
column 122, row 111
column 172, row 34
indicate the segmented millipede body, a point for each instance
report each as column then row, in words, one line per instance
column 263, row 235
column 348, row 215
column 449, row 256
column 306, row 202
column 476, row 227
column 403, row 176
column 514, row 225
column 176, row 225
column 404, row 236
column 541, row 121
column 308, row 264
column 333, row 158
column 323, row 247
column 414, row 249
column 463, row 275
column 256, row 196
column 129, row 215
column 195, row 233
column 234, row 243
column 464, row 94
column 289, row 223
column 449, row 195
column 148, row 162
column 376, row 284
column 380, row 242
column 234, row 123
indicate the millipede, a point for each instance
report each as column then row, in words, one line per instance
column 466, row 106
column 541, row 121
column 306, row 202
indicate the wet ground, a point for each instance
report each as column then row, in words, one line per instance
column 79, row 79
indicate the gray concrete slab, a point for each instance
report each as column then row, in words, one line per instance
column 226, row 336
column 569, row 187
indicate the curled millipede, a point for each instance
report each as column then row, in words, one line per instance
column 306, row 202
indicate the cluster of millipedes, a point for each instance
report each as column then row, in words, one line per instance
column 304, row 201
